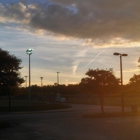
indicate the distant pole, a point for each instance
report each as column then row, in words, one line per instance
column 58, row 82
column 26, row 81
column 29, row 78
column 29, row 52
column 121, row 69
column 42, row 88
column 121, row 75
column 41, row 81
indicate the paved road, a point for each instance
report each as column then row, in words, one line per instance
column 69, row 125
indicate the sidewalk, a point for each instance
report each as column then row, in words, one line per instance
column 90, row 108
column 77, row 107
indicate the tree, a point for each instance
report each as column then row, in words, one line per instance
column 135, row 79
column 9, row 72
column 99, row 81
column 97, row 78
column 139, row 62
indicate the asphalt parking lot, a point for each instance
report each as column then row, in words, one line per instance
column 69, row 124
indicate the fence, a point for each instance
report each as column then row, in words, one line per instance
column 107, row 99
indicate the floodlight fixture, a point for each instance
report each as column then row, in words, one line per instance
column 124, row 54
column 29, row 51
column 116, row 53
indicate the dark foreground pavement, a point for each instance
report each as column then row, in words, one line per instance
column 69, row 125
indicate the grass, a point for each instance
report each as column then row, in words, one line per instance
column 26, row 106
column 4, row 124
column 111, row 114
column 37, row 107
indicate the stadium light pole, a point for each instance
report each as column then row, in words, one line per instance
column 58, row 82
column 41, row 81
column 29, row 52
column 121, row 74
column 26, row 81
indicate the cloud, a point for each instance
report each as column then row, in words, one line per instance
column 74, row 68
column 94, row 58
column 98, row 20
column 14, row 13
column 78, row 58
column 81, row 53
column 131, row 70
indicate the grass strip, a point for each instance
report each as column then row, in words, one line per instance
column 35, row 107
column 4, row 124
column 111, row 114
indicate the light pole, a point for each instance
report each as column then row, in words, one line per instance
column 121, row 64
column 58, row 96
column 121, row 74
column 58, row 82
column 26, row 81
column 29, row 52
column 42, row 87
column 41, row 81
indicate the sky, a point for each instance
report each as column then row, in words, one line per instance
column 71, row 37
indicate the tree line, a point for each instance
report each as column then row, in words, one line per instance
column 97, row 81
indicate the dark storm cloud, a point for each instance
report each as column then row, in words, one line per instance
column 94, row 19
column 13, row 13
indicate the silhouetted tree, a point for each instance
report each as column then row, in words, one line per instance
column 9, row 72
column 139, row 62
column 9, row 69
column 99, row 81
column 134, row 85
column 135, row 79
column 97, row 78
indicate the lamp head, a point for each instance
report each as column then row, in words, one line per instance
column 116, row 53
column 121, row 54
column 29, row 51
column 124, row 54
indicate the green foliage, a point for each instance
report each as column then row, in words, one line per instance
column 9, row 70
column 101, row 77
column 134, row 85
column 110, row 114
column 99, row 81
column 139, row 62
column 135, row 79
column 21, row 106
column 52, row 89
